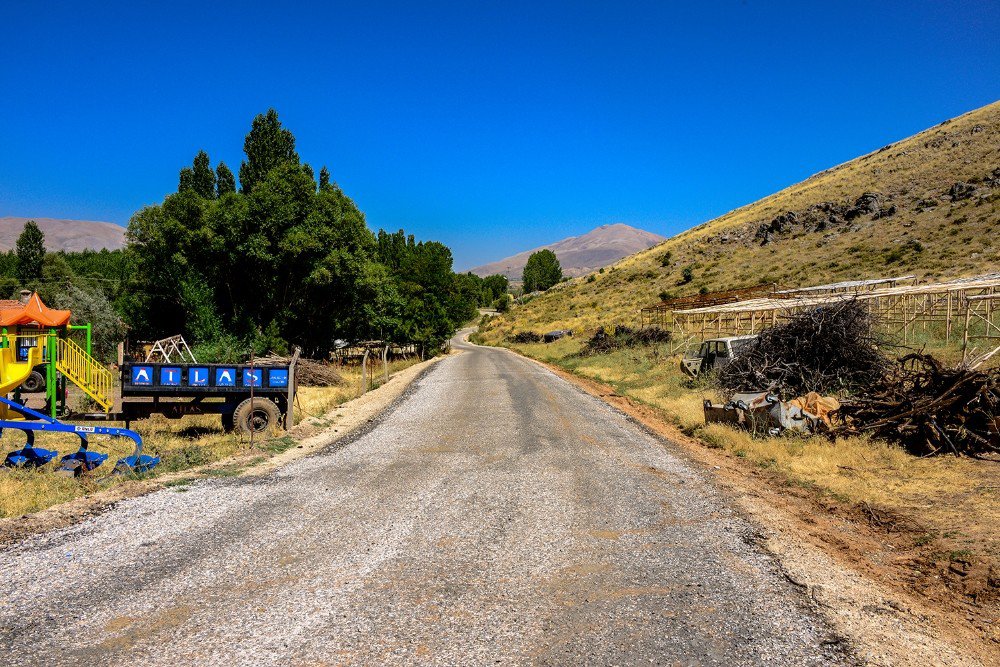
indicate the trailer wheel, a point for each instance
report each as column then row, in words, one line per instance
column 256, row 415
column 35, row 382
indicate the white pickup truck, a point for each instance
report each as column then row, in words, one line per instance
column 713, row 353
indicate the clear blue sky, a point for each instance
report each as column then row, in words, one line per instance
column 493, row 127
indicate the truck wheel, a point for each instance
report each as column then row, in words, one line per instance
column 34, row 382
column 256, row 415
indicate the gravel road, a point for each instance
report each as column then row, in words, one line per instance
column 494, row 515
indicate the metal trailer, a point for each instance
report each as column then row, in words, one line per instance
column 250, row 398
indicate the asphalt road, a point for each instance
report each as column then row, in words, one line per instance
column 494, row 515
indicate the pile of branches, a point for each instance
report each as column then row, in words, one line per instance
column 523, row 337
column 308, row 372
column 929, row 408
column 829, row 349
column 624, row 337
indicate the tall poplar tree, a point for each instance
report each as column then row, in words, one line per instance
column 267, row 146
column 225, row 182
column 203, row 181
column 30, row 252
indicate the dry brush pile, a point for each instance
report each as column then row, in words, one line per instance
column 829, row 349
column 914, row 401
column 929, row 408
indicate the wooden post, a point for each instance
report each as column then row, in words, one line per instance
column 364, row 371
column 292, row 388
column 965, row 335
column 385, row 365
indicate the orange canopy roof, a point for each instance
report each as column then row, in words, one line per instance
column 33, row 312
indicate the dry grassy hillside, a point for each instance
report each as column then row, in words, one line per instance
column 927, row 205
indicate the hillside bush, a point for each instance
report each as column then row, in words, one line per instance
column 622, row 337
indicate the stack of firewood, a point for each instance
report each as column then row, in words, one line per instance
column 929, row 408
column 308, row 372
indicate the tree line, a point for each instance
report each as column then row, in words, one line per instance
column 283, row 257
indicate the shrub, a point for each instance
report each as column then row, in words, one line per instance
column 502, row 304
column 624, row 337
column 523, row 337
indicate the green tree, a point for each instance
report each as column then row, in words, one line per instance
column 203, row 178
column 185, row 180
column 497, row 284
column 91, row 305
column 324, row 178
column 267, row 146
column 283, row 262
column 541, row 272
column 30, row 252
column 225, row 182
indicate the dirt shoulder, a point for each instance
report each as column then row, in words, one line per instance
column 307, row 437
column 866, row 570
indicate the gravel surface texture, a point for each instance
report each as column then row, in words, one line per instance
column 494, row 515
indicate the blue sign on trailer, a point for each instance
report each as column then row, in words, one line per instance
column 149, row 379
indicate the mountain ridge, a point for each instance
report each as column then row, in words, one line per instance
column 65, row 234
column 581, row 254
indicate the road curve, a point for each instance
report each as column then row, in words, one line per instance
column 494, row 515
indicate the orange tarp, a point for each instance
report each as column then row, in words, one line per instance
column 33, row 312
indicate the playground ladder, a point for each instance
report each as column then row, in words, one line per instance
column 84, row 371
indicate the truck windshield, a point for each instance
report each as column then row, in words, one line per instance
column 738, row 345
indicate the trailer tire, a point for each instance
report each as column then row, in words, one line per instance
column 35, row 382
column 256, row 415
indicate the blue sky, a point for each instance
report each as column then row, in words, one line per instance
column 493, row 127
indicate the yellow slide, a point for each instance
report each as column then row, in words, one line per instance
column 14, row 372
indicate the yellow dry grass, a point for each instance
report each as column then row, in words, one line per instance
column 181, row 444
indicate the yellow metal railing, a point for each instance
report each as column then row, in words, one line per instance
column 83, row 370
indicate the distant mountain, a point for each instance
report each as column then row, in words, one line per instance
column 70, row 235
column 580, row 255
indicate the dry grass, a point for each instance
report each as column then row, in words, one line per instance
column 182, row 444
column 956, row 498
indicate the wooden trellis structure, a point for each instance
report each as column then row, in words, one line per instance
column 982, row 324
column 847, row 286
column 659, row 315
column 954, row 309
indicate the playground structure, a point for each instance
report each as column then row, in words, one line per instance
column 41, row 344
column 962, row 310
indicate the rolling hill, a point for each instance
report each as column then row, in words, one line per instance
column 927, row 205
column 580, row 255
column 69, row 235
